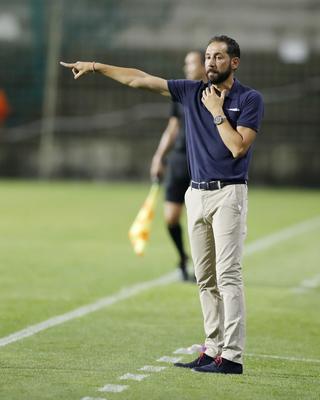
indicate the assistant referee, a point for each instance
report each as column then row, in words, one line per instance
column 172, row 148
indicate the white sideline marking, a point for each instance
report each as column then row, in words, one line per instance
column 308, row 284
column 137, row 377
column 98, row 305
column 287, row 358
column 113, row 388
column 93, row 398
column 284, row 234
column 195, row 348
column 254, row 247
column 152, row 368
column 167, row 359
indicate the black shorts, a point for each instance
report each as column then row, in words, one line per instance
column 177, row 178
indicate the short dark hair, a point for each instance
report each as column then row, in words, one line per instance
column 233, row 48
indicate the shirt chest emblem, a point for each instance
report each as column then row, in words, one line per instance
column 233, row 109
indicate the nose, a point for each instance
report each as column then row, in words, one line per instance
column 211, row 62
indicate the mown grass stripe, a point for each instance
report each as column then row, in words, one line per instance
column 254, row 247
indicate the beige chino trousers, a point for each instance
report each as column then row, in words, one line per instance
column 217, row 229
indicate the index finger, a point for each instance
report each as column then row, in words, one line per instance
column 68, row 65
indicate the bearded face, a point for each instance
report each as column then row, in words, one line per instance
column 216, row 76
column 218, row 63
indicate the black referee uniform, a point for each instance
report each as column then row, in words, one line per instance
column 177, row 177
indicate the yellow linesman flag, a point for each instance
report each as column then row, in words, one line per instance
column 139, row 232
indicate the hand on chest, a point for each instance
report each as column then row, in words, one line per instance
column 230, row 108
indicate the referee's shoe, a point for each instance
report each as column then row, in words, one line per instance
column 184, row 273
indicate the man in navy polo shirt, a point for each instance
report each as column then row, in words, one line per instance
column 222, row 119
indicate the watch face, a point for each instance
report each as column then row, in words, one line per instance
column 218, row 119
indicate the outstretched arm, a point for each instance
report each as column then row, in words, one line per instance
column 127, row 76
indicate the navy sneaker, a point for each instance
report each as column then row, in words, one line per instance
column 221, row 366
column 201, row 361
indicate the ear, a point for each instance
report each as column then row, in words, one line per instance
column 235, row 61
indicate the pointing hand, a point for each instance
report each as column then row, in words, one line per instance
column 79, row 68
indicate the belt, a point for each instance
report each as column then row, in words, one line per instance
column 215, row 185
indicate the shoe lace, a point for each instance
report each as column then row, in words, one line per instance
column 218, row 361
column 202, row 355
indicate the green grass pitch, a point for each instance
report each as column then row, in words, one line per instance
column 64, row 245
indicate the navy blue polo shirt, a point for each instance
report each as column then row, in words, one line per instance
column 209, row 158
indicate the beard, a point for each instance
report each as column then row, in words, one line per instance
column 219, row 77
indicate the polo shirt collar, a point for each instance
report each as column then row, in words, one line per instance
column 234, row 90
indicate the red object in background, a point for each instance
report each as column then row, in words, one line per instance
column 4, row 107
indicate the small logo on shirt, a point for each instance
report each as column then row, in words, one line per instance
column 233, row 109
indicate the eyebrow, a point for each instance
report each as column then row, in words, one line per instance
column 215, row 54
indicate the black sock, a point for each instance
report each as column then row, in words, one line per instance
column 176, row 235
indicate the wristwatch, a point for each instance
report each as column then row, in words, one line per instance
column 219, row 119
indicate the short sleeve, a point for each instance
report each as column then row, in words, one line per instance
column 178, row 89
column 252, row 110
